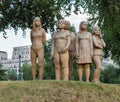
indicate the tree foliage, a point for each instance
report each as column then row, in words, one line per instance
column 49, row 69
column 11, row 74
column 27, row 71
column 110, row 74
column 20, row 13
column 2, row 73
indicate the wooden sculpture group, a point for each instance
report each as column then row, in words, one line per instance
column 66, row 45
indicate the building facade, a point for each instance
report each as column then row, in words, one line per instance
column 20, row 55
column 3, row 55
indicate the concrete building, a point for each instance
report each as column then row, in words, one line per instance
column 3, row 55
column 23, row 51
column 20, row 55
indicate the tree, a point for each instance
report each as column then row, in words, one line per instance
column 27, row 71
column 11, row 74
column 2, row 73
column 20, row 13
column 49, row 70
column 110, row 74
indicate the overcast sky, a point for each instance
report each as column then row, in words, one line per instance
column 18, row 40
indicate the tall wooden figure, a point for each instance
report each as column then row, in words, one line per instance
column 98, row 45
column 71, row 49
column 84, row 51
column 38, row 38
column 60, row 44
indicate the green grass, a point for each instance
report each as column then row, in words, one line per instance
column 58, row 91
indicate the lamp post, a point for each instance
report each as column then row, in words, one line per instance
column 20, row 70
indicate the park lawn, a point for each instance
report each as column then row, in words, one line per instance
column 58, row 91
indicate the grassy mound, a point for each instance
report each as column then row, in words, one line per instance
column 58, row 91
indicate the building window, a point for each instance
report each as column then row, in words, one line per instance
column 15, row 49
column 15, row 66
column 1, row 58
